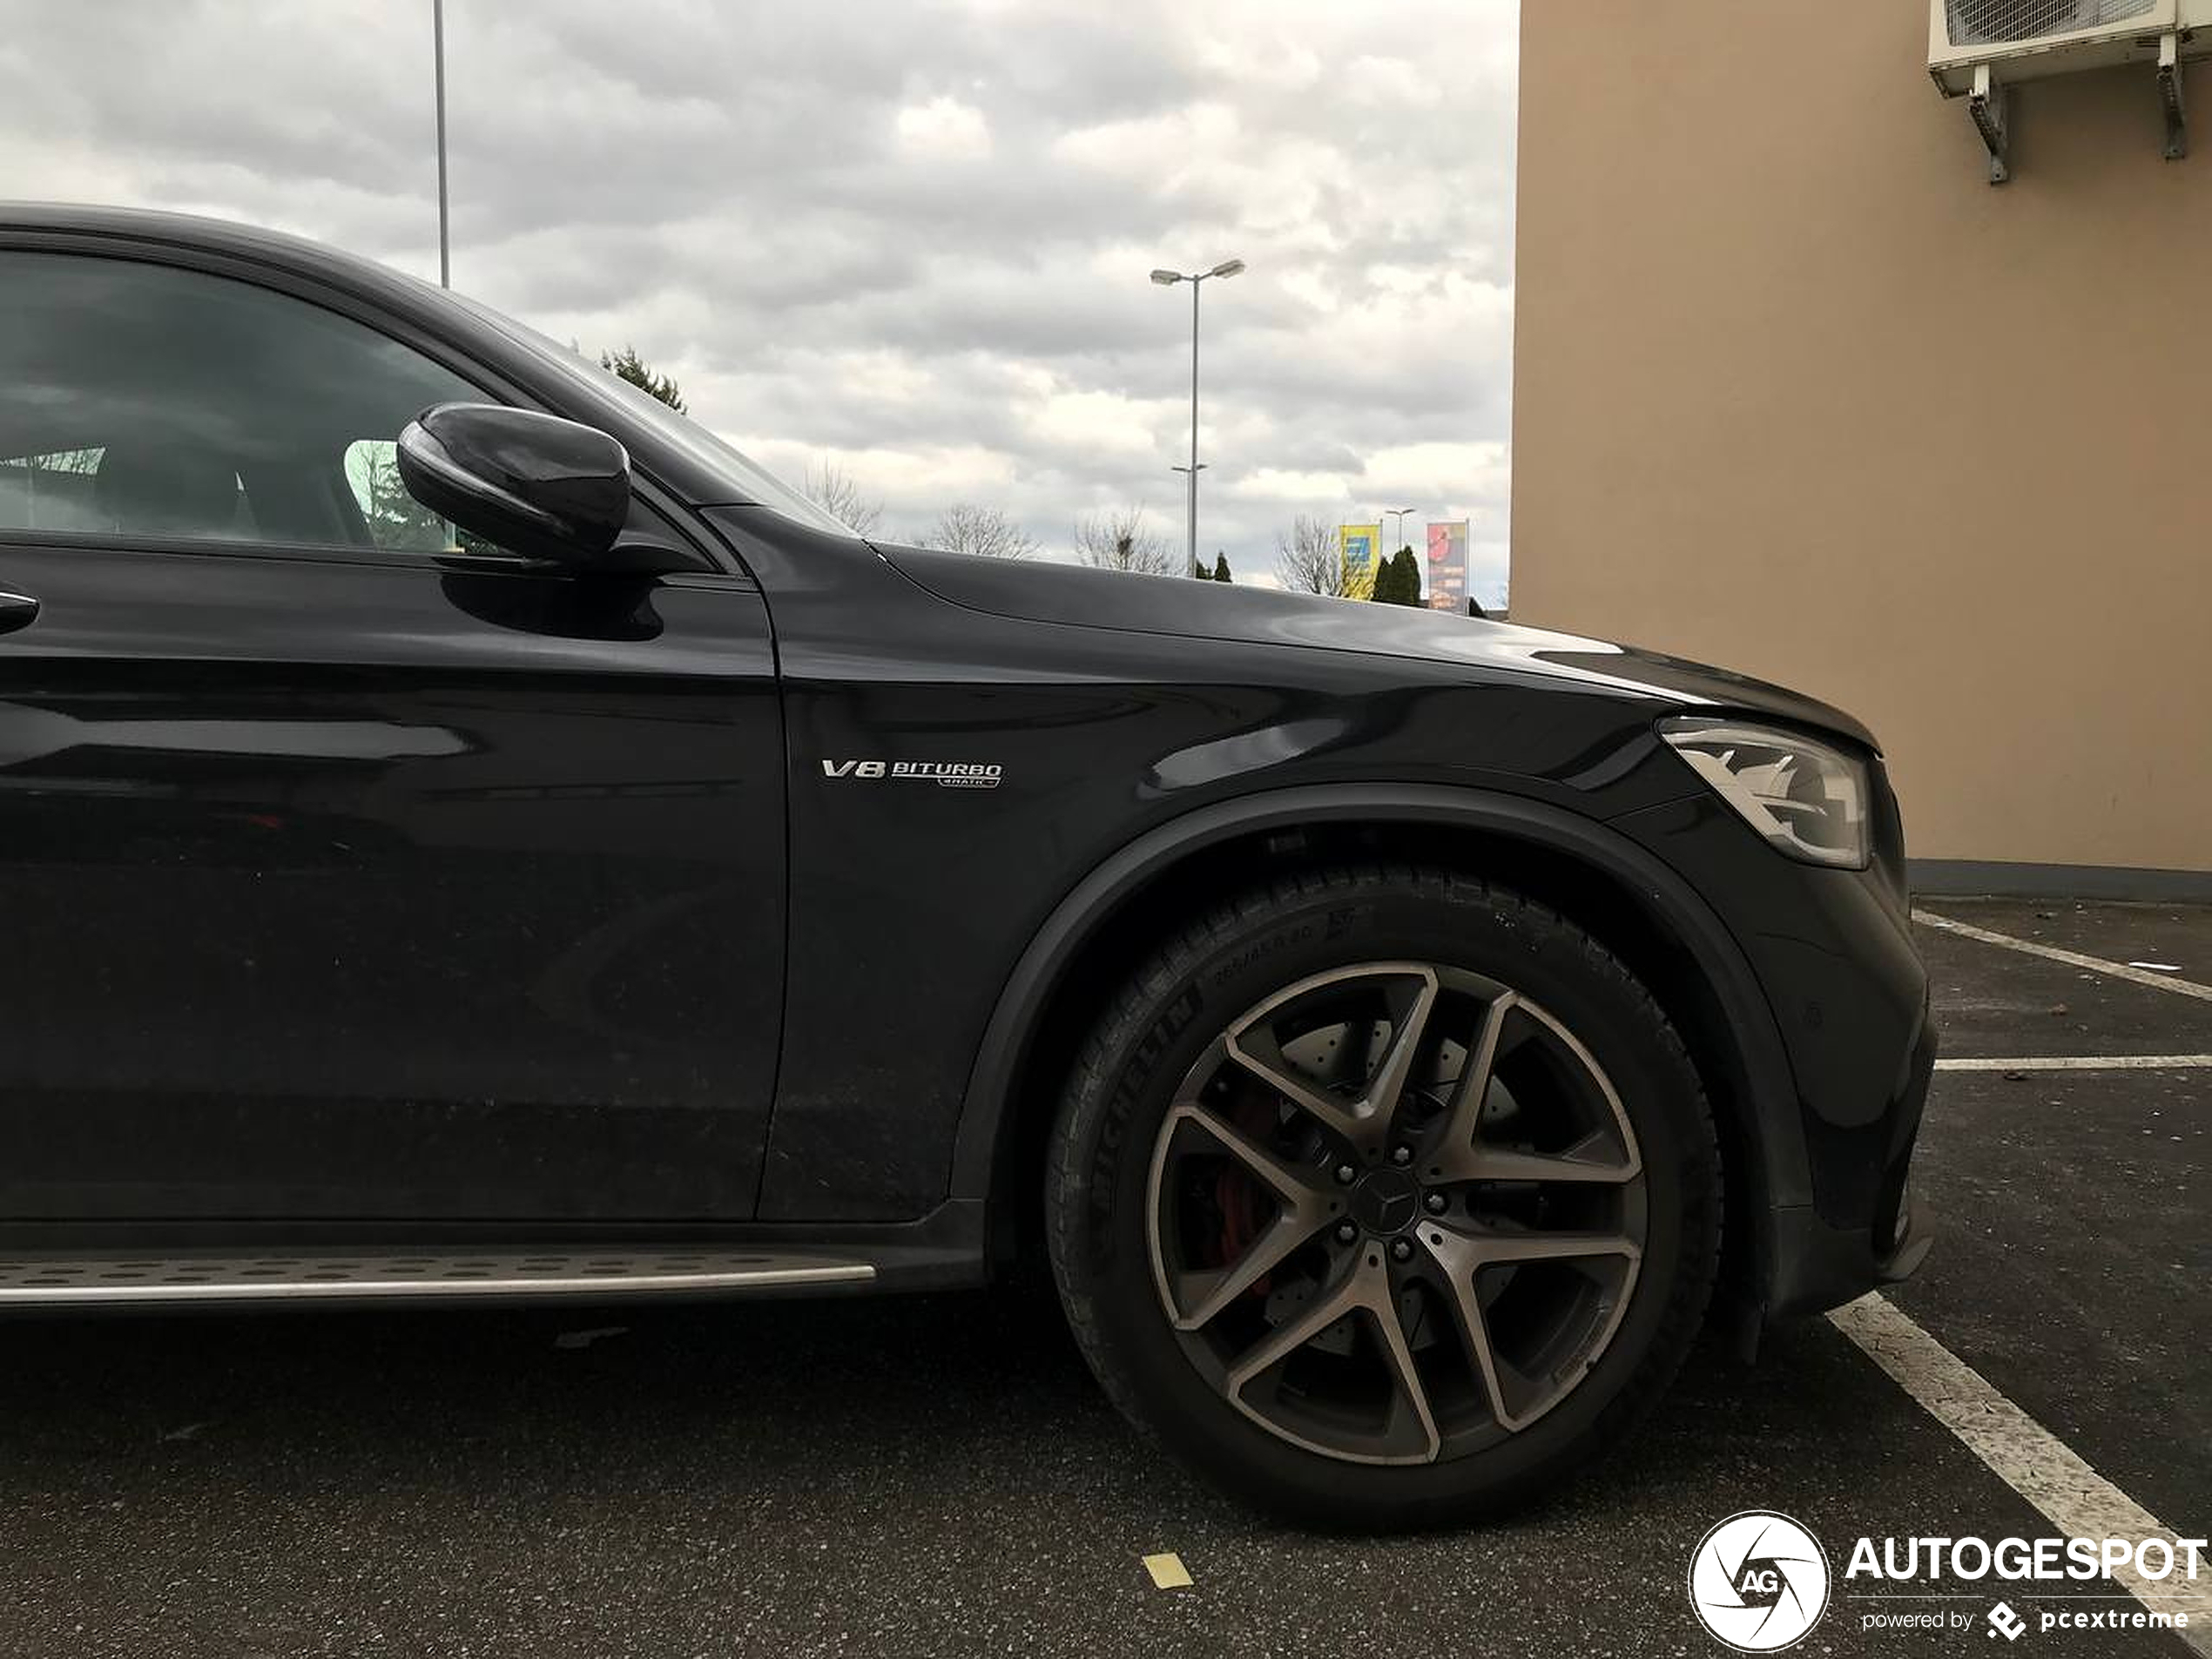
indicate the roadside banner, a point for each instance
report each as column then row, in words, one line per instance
column 1447, row 565
column 1359, row 543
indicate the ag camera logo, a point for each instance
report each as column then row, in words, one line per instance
column 1758, row 1581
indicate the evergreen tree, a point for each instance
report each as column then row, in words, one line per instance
column 1385, row 591
column 1409, row 577
column 1221, row 567
column 628, row 366
column 1398, row 579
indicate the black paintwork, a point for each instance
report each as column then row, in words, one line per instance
column 336, row 889
column 538, row 485
column 350, row 890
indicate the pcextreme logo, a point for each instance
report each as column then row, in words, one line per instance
column 1758, row 1581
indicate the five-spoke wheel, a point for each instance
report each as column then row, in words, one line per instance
column 1396, row 1209
column 1386, row 1196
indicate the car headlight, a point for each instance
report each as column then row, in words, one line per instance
column 1808, row 798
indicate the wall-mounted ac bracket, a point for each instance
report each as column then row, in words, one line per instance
column 1986, row 103
column 2169, row 96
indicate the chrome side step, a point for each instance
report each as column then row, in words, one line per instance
column 109, row 1279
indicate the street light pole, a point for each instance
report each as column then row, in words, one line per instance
column 1191, row 567
column 1398, row 532
column 438, row 51
column 1168, row 280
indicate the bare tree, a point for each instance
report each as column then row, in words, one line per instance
column 1122, row 540
column 834, row 490
column 1310, row 559
column 965, row 528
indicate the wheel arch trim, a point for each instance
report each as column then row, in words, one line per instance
column 1777, row 1160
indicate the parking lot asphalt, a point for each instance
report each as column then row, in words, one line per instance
column 940, row 1474
column 1994, row 1001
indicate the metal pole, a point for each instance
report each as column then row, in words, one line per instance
column 1192, row 565
column 438, row 51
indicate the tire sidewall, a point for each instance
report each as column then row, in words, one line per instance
column 1274, row 944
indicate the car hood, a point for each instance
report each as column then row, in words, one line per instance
column 1075, row 597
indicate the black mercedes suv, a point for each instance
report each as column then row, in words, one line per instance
column 466, row 833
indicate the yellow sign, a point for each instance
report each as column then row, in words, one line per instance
column 1359, row 543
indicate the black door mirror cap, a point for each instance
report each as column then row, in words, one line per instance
column 632, row 556
column 637, row 553
column 533, row 484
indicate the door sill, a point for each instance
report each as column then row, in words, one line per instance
column 112, row 1279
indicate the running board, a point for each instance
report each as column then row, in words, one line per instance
column 56, row 1280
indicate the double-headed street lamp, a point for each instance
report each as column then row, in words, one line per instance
column 1168, row 280
column 1397, row 531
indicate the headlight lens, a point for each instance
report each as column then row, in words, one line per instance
column 1809, row 799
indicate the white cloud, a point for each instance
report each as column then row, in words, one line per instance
column 944, row 129
column 1272, row 483
column 1159, row 149
column 908, row 236
column 1440, row 472
column 1105, row 422
column 921, row 481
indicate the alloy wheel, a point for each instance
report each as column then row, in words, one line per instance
column 1396, row 1212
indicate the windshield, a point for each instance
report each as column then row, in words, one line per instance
column 758, row 484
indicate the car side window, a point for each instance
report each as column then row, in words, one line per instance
column 144, row 400
column 395, row 519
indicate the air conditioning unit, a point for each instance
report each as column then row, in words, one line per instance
column 1976, row 48
column 2025, row 39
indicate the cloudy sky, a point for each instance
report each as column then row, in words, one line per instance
column 908, row 237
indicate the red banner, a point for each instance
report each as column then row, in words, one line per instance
column 1447, row 566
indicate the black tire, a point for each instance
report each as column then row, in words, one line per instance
column 1170, row 1017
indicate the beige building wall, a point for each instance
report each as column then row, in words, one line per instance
column 1796, row 390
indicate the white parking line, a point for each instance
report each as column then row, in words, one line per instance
column 2078, row 1062
column 2072, row 959
column 2074, row 1497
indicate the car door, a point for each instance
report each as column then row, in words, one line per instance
column 349, row 872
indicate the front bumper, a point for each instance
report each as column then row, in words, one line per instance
column 1813, row 1264
column 1831, row 1129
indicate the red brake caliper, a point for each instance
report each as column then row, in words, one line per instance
column 1236, row 1192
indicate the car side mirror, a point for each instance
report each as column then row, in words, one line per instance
column 530, row 483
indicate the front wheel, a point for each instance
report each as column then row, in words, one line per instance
column 1385, row 1198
